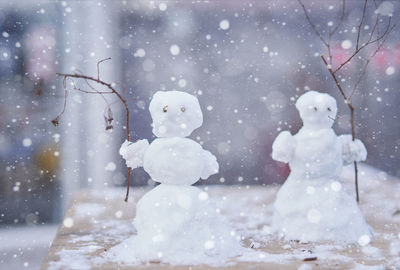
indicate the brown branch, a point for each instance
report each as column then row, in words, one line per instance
column 331, row 33
column 98, row 66
column 334, row 78
column 56, row 120
column 376, row 27
column 113, row 91
column 314, row 27
column 108, row 85
column 366, row 65
column 91, row 92
column 360, row 25
column 364, row 46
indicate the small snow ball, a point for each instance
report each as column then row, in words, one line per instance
column 317, row 110
column 224, row 24
column 175, row 114
column 364, row 240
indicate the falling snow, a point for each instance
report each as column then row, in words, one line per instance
column 224, row 24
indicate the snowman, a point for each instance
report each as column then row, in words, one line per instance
column 312, row 205
column 176, row 222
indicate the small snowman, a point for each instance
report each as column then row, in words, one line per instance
column 312, row 205
column 176, row 222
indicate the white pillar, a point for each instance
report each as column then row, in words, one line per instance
column 91, row 27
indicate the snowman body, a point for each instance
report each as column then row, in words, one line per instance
column 176, row 222
column 311, row 205
column 312, row 158
column 175, row 160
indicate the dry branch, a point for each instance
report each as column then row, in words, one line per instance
column 108, row 114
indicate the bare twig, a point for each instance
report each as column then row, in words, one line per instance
column 365, row 45
column 335, row 79
column 367, row 63
column 98, row 66
column 331, row 33
column 109, row 116
column 314, row 27
column 56, row 120
column 360, row 25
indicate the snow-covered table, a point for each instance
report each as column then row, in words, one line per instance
column 98, row 220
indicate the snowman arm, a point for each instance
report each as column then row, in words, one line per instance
column 133, row 153
column 211, row 165
column 283, row 147
column 352, row 150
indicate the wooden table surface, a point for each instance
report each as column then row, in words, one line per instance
column 98, row 220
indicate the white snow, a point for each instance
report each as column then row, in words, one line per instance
column 140, row 53
column 68, row 222
column 305, row 266
column 164, row 154
column 27, row 142
column 386, row 8
column 162, row 6
column 224, row 24
column 380, row 197
column 175, row 113
column 110, row 166
column 390, row 70
column 311, row 205
column 175, row 225
column 346, row 44
column 133, row 153
column 364, row 240
column 352, row 150
column 56, row 137
column 87, row 210
column 175, row 222
column 174, row 49
column 182, row 83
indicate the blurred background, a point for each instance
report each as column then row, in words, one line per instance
column 247, row 61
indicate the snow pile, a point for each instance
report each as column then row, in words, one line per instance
column 178, row 225
column 311, row 205
column 249, row 209
column 175, row 222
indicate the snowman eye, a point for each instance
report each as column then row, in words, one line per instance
column 315, row 109
column 165, row 109
column 183, row 109
column 329, row 109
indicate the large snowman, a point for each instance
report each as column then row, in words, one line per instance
column 176, row 222
column 312, row 205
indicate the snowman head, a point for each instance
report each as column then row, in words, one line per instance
column 317, row 110
column 175, row 114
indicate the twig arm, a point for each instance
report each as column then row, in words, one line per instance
column 113, row 91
